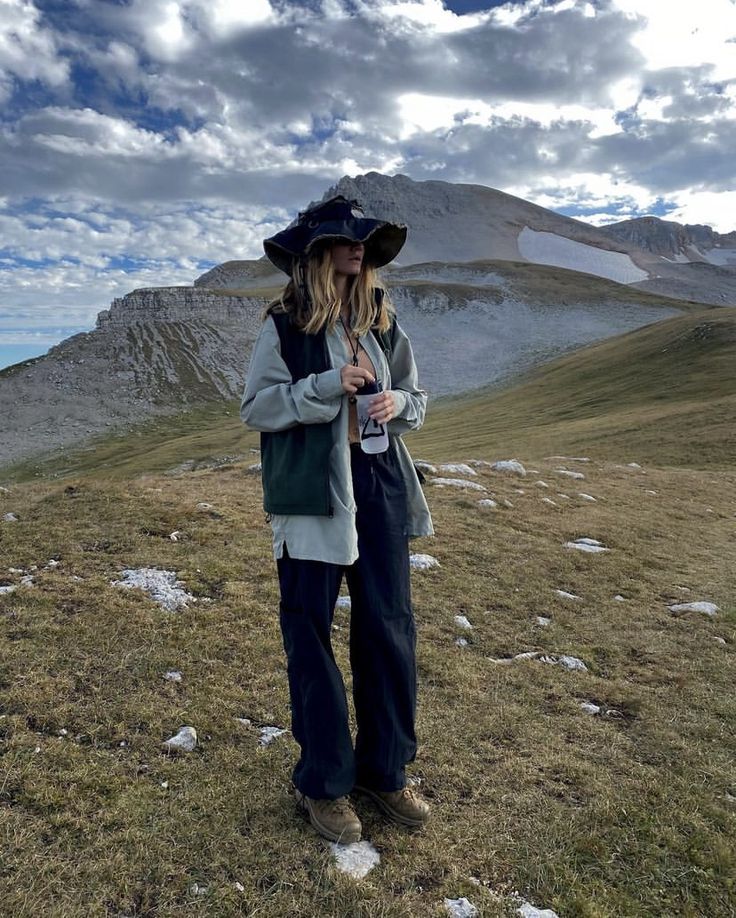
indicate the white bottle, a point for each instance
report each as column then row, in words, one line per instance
column 373, row 436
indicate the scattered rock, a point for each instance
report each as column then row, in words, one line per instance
column 256, row 467
column 507, row 503
column 541, row 484
column 457, row 483
column 590, row 708
column 548, row 500
column 461, row 642
column 719, row 639
column 355, row 859
column 425, row 466
column 586, row 496
column 543, row 620
column 519, row 490
column 648, row 491
column 619, row 598
column 245, row 721
column 509, row 465
column 460, row 908
column 52, row 563
column 707, row 608
column 174, row 536
column 161, row 586
column 343, row 602
column 173, row 675
column 184, row 741
column 462, row 622
column 568, row 458
column 563, row 496
column 423, row 562
column 269, row 734
column 633, row 465
column 567, row 473
column 480, row 463
column 565, row 660
column 457, row 468
column 10, row 518
column 584, row 544
column 487, row 502
column 527, row 910
column 565, row 595
column 208, row 508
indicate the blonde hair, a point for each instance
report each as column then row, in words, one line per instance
column 320, row 307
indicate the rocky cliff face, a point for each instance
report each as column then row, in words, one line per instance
column 671, row 239
column 154, row 352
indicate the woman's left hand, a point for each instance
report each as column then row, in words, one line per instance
column 382, row 407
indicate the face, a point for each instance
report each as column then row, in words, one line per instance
column 347, row 257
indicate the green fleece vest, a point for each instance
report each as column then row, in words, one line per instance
column 295, row 462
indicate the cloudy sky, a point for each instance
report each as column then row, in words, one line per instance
column 143, row 141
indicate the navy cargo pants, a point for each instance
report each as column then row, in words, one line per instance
column 382, row 646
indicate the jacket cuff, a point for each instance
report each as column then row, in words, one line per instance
column 328, row 385
column 400, row 400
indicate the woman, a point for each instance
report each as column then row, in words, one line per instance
column 335, row 509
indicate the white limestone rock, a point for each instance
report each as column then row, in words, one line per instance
column 173, row 675
column 457, row 483
column 589, row 545
column 586, row 496
column 563, row 594
column 460, row 908
column 10, row 518
column 548, row 500
column 462, row 622
column 487, row 502
column 527, row 910
column 269, row 734
column 161, row 586
column 457, row 468
column 707, row 608
column 590, row 708
column 425, row 466
column 543, row 620
column 509, row 465
column 422, row 562
column 568, row 474
column 355, row 859
column 183, row 741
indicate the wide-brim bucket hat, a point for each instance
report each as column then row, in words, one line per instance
column 333, row 220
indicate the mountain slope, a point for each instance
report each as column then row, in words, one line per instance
column 664, row 394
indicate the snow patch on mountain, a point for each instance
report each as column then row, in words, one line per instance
column 551, row 249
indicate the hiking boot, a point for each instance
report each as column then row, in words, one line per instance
column 404, row 806
column 334, row 819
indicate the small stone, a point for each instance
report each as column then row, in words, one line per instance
column 719, row 639
column 571, row 662
column 590, row 708
column 10, row 518
column 356, row 859
column 565, row 595
column 422, row 562
column 184, row 741
column 541, row 484
column 487, row 502
column 457, row 483
column 543, row 620
column 461, row 642
column 509, row 465
column 269, row 734
column 707, row 608
column 588, row 545
column 343, row 602
column 460, row 908
column 256, row 467
column 586, row 496
column 648, row 491
column 519, row 490
column 462, row 622
column 527, row 910
column 425, row 467
column 619, row 598
column 245, row 721
column 52, row 563
column 507, row 503
column 633, row 465
column 548, row 500
column 174, row 536
column 457, row 468
column 568, row 474
column 173, row 675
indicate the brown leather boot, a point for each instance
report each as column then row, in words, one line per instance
column 404, row 806
column 333, row 819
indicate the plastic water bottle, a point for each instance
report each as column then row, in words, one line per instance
column 373, row 436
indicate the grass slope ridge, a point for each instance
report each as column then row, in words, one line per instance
column 666, row 392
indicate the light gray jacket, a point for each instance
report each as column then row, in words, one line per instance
column 271, row 401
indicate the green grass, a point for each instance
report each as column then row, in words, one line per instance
column 626, row 814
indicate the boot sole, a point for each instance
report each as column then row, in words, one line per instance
column 388, row 810
column 340, row 837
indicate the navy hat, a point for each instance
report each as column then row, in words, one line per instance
column 334, row 219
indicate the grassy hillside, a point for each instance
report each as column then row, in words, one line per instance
column 629, row 811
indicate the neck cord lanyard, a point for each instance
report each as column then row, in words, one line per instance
column 354, row 349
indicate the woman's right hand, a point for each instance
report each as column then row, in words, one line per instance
column 354, row 378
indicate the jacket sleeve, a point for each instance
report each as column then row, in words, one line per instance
column 411, row 401
column 271, row 401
